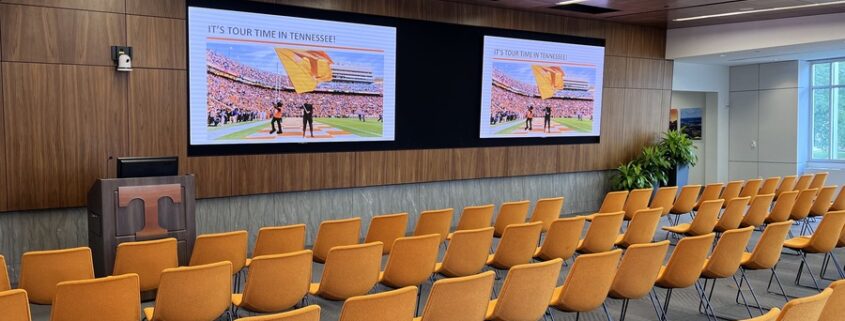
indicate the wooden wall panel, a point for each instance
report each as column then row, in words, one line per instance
column 531, row 160
column 39, row 34
column 156, row 42
column 158, row 113
column 440, row 11
column 157, row 8
column 214, row 175
column 62, row 122
column 479, row 162
column 615, row 72
column 3, row 160
column 302, row 172
column 644, row 73
column 93, row 5
column 643, row 122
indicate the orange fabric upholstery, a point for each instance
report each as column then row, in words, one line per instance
column 350, row 270
column 395, row 305
column 146, row 259
column 113, row 298
column 386, row 229
column 276, row 282
column 219, row 247
column 333, row 233
column 309, row 313
column 15, row 305
column 41, row 271
column 510, row 213
column 201, row 292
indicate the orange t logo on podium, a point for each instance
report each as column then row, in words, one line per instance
column 549, row 80
column 149, row 194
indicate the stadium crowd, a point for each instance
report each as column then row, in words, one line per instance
column 507, row 105
column 531, row 90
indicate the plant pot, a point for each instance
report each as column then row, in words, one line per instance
column 678, row 177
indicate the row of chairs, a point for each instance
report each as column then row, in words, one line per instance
column 829, row 305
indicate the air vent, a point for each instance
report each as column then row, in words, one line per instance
column 582, row 8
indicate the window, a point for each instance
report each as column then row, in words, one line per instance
column 828, row 101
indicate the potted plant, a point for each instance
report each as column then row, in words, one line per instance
column 653, row 161
column 679, row 151
column 630, row 176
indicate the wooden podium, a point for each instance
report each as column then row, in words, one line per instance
column 140, row 209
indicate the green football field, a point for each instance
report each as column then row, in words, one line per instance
column 584, row 126
column 371, row 128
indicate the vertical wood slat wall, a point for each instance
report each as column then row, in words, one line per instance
column 66, row 113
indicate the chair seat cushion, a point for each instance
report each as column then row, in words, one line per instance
column 679, row 229
column 148, row 313
column 490, row 307
column 314, row 288
column 237, row 299
column 797, row 243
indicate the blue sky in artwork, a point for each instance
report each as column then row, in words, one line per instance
column 264, row 57
column 522, row 72
column 691, row 113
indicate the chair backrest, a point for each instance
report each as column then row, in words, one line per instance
column 15, row 305
column 526, row 291
column 386, row 229
column 664, row 198
column 786, row 184
column 395, row 305
column 519, row 241
column 613, row 202
column 770, row 185
column 806, row 308
column 41, row 271
column 733, row 214
column 280, row 239
column 839, row 202
column 705, row 219
column 727, row 255
column 834, row 309
column 333, row 233
column 684, row 266
column 827, row 233
column 476, row 217
column 637, row 200
column 309, row 313
column 510, row 213
column 818, row 180
column 435, row 222
column 803, row 203
column 412, row 260
column 711, row 192
column 467, row 252
column 229, row 246
column 772, row 315
column 588, row 281
column 460, row 298
column 823, row 201
column 350, row 270
column 758, row 210
column 783, row 207
column 201, row 292
column 731, row 191
column 547, row 210
column 803, row 182
column 113, row 298
column 5, row 284
column 642, row 227
column 146, row 259
column 602, row 233
column 277, row 282
column 766, row 253
column 562, row 238
column 751, row 188
column 686, row 199
column 638, row 270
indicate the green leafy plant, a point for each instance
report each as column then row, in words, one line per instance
column 678, row 148
column 654, row 164
column 630, row 176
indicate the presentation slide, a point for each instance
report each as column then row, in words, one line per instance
column 268, row 79
column 534, row 88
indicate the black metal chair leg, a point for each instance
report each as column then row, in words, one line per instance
column 624, row 309
column 838, row 266
column 744, row 301
column 666, row 304
column 606, row 312
column 801, row 267
column 750, row 289
column 655, row 304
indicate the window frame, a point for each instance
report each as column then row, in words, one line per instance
column 811, row 97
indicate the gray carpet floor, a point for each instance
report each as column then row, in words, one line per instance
column 683, row 306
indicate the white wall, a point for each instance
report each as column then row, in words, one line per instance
column 714, row 81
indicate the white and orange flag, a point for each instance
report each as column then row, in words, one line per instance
column 549, row 79
column 306, row 68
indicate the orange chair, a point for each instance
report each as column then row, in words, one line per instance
column 783, row 206
column 333, row 233
column 839, row 202
column 637, row 273
column 201, row 292
column 756, row 213
column 664, row 198
column 803, row 182
column 601, row 235
column 786, row 184
column 309, row 313
column 460, row 298
column 15, row 305
column 526, row 292
column 751, row 188
column 412, row 262
column 685, row 202
column 435, row 222
column 823, row 241
column 561, row 240
column 801, row 309
column 642, row 228
column 613, row 202
column 467, row 253
column 41, row 271
column 823, row 201
column 818, row 180
column 587, row 283
column 510, row 213
column 711, row 192
column 547, row 210
column 770, row 185
column 834, row 309
column 5, row 285
column 517, row 246
column 275, row 282
column 801, row 210
column 684, row 267
column 702, row 224
column 637, row 200
column 731, row 191
column 394, row 305
column 146, row 259
column 279, row 240
column 765, row 256
column 350, row 270
column 732, row 216
column 724, row 262
column 475, row 217
column 113, row 298
column 219, row 247
column 386, row 229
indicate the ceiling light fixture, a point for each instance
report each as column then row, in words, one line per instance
column 735, row 13
column 563, row 3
